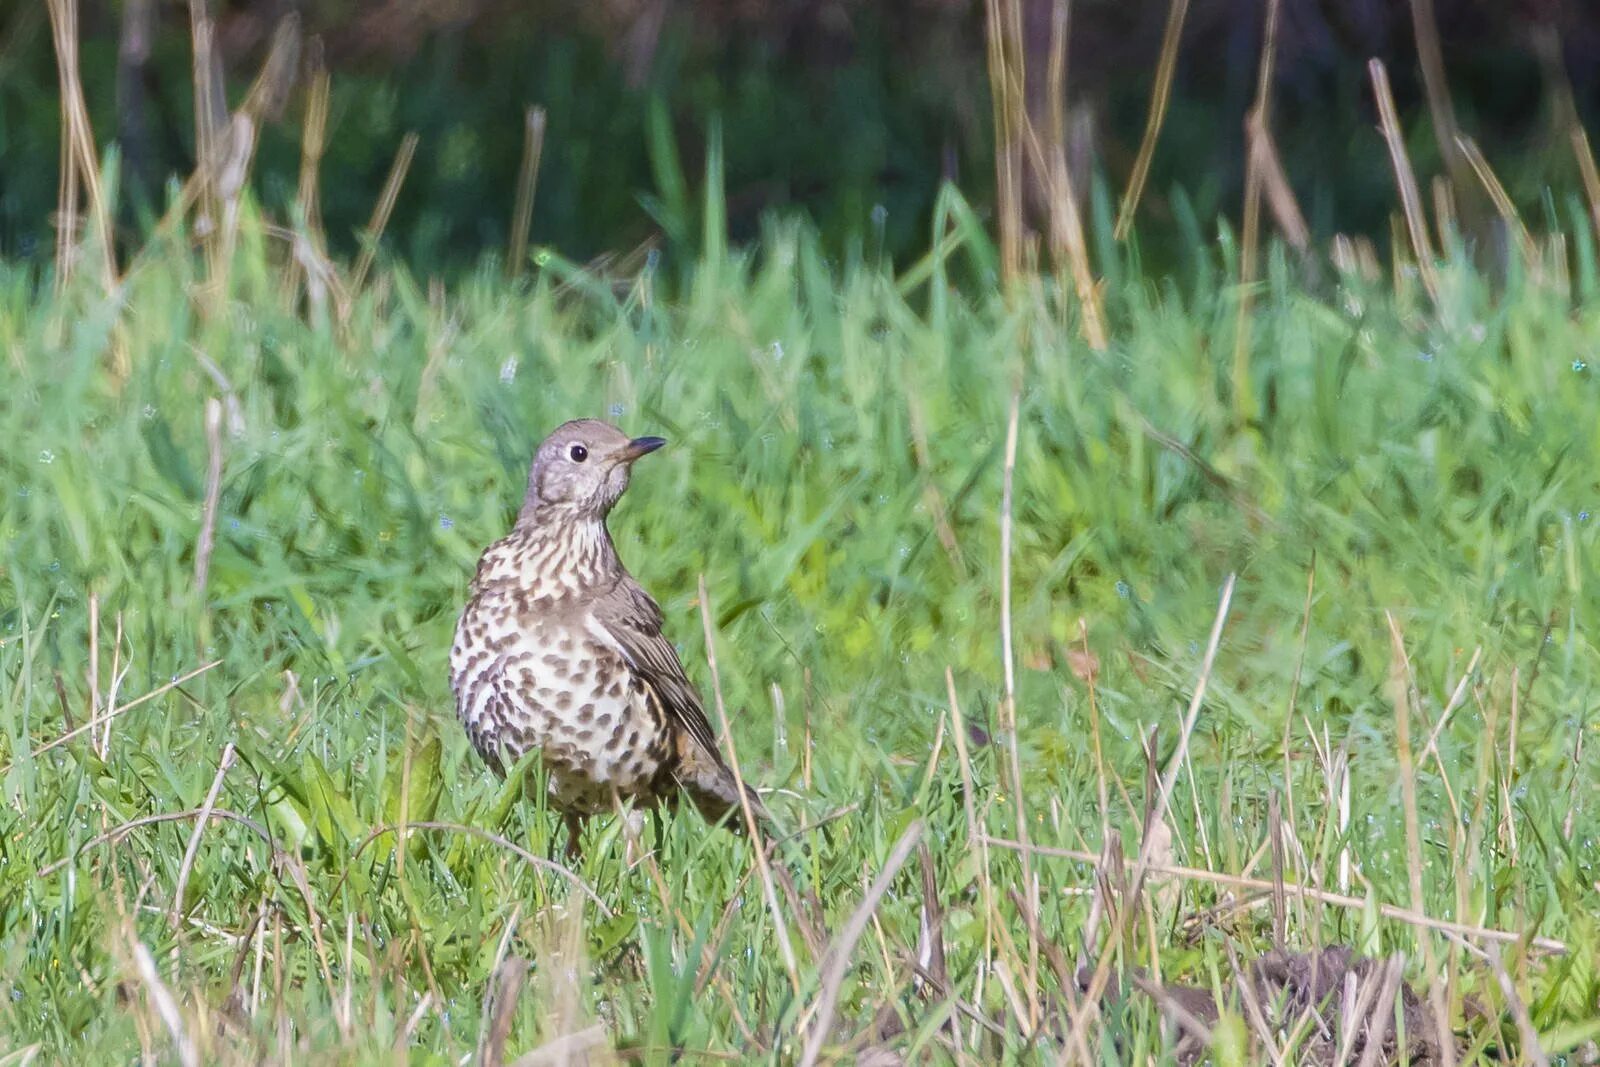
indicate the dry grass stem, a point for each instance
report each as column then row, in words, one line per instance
column 1450, row 706
column 119, row 674
column 496, row 992
column 1531, row 1049
column 1294, row 690
column 114, row 712
column 1244, row 399
column 1274, row 180
column 566, row 1049
column 1160, row 93
column 1436, row 87
column 94, row 667
column 1018, row 145
column 495, row 839
column 1008, row 705
column 79, row 163
column 1002, row 22
column 1445, row 220
column 116, row 833
column 210, row 110
column 958, row 733
column 1157, row 812
column 931, row 496
column 165, row 1004
column 1067, row 241
column 193, row 849
column 1381, row 1021
column 1180, row 757
column 1405, row 178
column 780, row 927
column 313, row 142
column 309, row 240
column 533, row 125
column 206, row 542
column 1507, row 211
column 837, row 960
column 1589, row 173
column 1404, row 696
column 382, row 210
column 1291, row 889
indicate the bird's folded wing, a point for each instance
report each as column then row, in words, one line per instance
column 630, row 621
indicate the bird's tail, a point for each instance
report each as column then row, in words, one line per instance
column 714, row 791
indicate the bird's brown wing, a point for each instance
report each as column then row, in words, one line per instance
column 631, row 621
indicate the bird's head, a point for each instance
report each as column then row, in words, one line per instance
column 581, row 469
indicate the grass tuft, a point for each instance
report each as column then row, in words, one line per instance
column 285, row 849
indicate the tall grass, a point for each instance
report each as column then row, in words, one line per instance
column 1409, row 520
column 1170, row 623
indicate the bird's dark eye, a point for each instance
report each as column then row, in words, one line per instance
column 578, row 453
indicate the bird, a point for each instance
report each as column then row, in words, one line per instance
column 559, row 649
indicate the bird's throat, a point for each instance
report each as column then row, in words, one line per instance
column 556, row 554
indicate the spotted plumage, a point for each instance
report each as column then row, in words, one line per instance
column 560, row 650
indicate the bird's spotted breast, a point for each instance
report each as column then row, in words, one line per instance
column 534, row 676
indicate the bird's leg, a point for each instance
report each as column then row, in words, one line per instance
column 656, row 827
column 574, row 843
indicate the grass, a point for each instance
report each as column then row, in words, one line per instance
column 1399, row 707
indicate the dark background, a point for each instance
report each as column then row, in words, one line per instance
column 852, row 110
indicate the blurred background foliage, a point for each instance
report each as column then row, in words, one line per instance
column 853, row 110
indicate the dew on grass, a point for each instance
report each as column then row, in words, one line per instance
column 233, row 524
column 55, row 565
column 149, row 411
column 1583, row 516
column 446, row 522
column 777, row 351
column 46, row 456
column 508, row 370
column 1579, row 365
column 1124, row 590
column 616, row 411
column 24, row 492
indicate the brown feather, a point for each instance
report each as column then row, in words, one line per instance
column 633, row 620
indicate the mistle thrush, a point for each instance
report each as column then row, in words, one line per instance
column 560, row 650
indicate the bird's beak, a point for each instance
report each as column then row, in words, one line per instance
column 640, row 446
